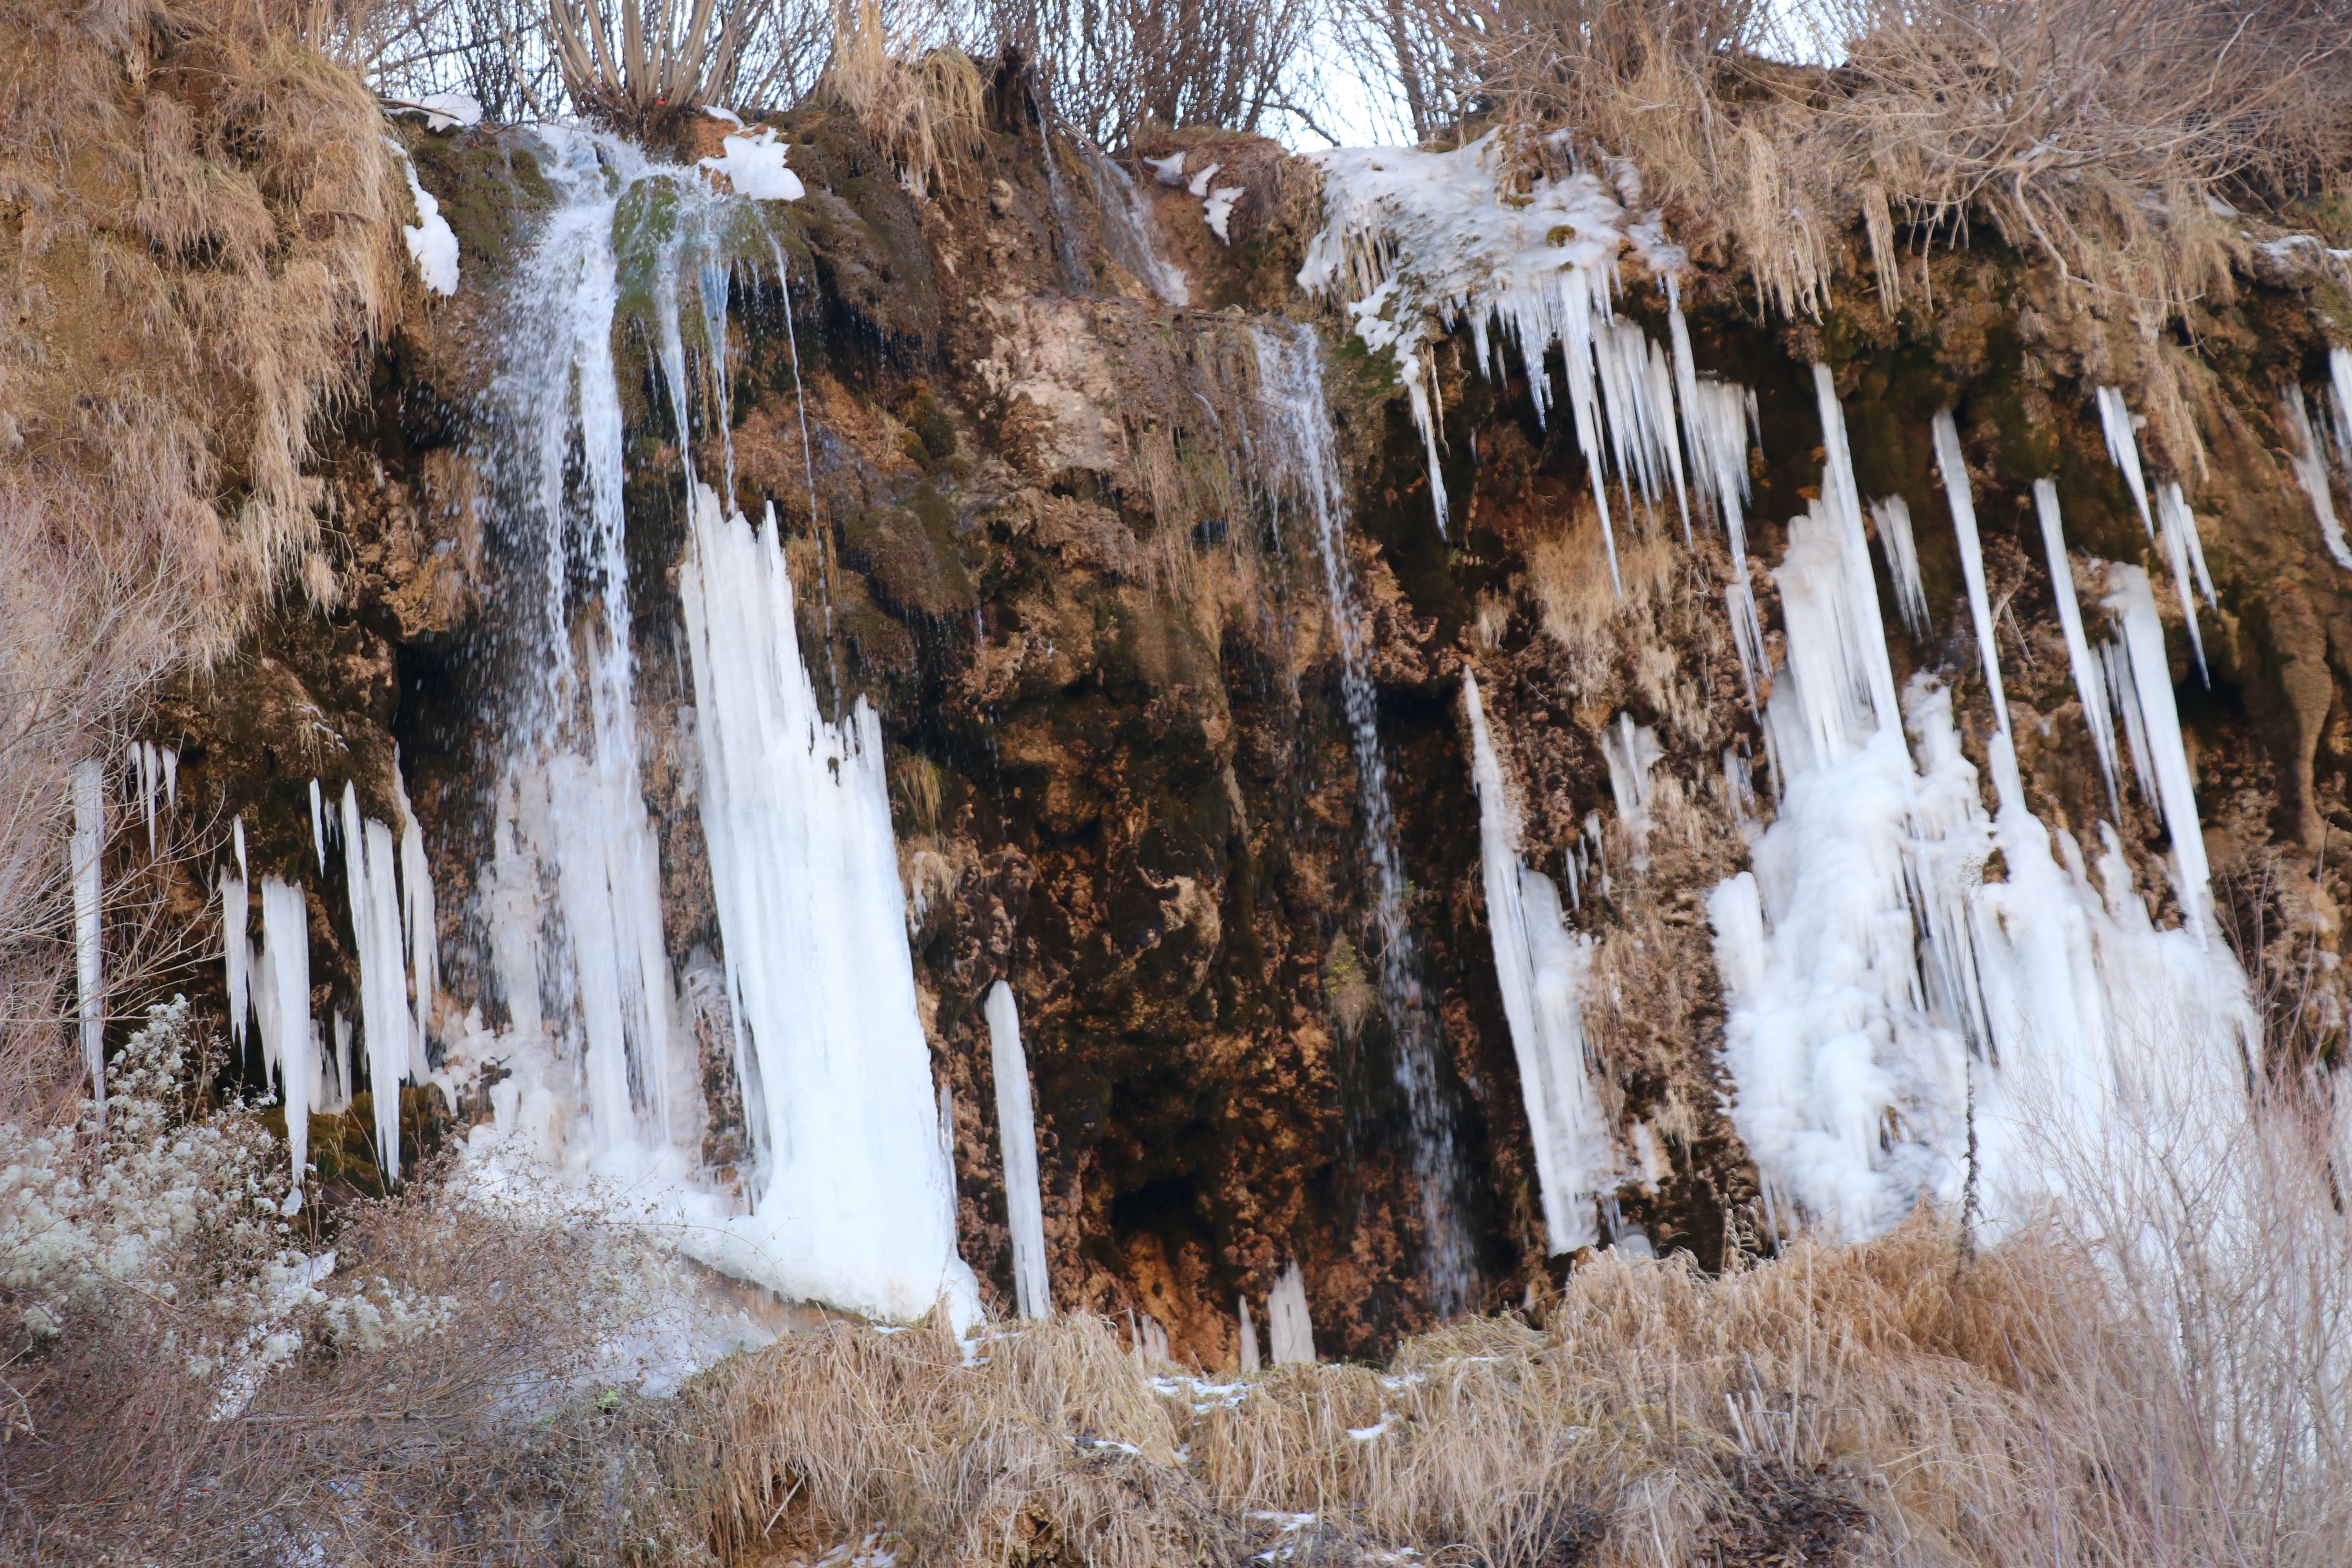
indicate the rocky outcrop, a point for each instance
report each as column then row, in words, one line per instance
column 1021, row 486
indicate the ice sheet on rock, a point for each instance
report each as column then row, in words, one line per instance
column 1217, row 208
column 432, row 244
column 1879, row 986
column 753, row 165
column 1016, row 1126
column 852, row 1194
column 1972, row 572
column 2090, row 683
column 1290, row 1331
column 1542, row 969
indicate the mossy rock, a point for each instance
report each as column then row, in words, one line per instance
column 909, row 553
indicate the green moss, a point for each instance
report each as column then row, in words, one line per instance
column 910, row 556
column 490, row 191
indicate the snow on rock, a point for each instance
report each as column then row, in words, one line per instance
column 1218, row 208
column 432, row 244
column 754, row 165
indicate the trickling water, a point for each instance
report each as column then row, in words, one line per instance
column 849, row 1197
column 580, row 945
column 1299, row 456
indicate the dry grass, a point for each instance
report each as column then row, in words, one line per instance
column 923, row 106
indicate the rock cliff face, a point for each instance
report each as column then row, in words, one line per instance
column 1033, row 514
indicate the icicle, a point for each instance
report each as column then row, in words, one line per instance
column 1631, row 750
column 423, row 925
column 2123, row 447
column 1016, row 1130
column 2124, row 698
column 2311, row 471
column 2089, row 686
column 2133, row 604
column 170, row 777
column 149, row 769
column 85, row 862
column 236, row 836
column 1863, row 639
column 318, row 826
column 1541, row 970
column 1288, row 1326
column 1893, row 515
column 343, row 1101
column 2339, row 374
column 282, row 1001
column 2177, row 538
column 387, row 1028
column 1964, row 526
column 234, row 952
column 1249, row 1358
column 849, row 1201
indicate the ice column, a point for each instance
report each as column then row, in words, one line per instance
column 1249, row 1357
column 1289, row 1331
column 2177, row 538
column 1542, row 969
column 387, row 1030
column 1016, row 1130
column 1964, row 526
column 281, row 1002
column 2089, row 685
column 2133, row 604
column 2310, row 464
column 85, row 862
column 852, row 1199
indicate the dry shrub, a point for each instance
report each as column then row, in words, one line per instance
column 922, row 106
column 94, row 613
column 206, row 225
column 194, row 1379
column 1629, row 644
column 1109, row 67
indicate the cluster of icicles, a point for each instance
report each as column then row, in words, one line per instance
column 1900, row 1024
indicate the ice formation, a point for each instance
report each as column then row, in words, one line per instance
column 396, row 1046
column 281, row 1005
column 1972, row 572
column 1290, row 1333
column 1899, row 1010
column 1217, row 208
column 2176, row 536
column 157, row 769
column 1412, row 237
column 2310, row 464
column 85, row 864
column 442, row 110
column 854, row 1200
column 1249, row 1356
column 432, row 244
column 1540, row 968
column 1294, row 446
column 753, row 165
column 1631, row 750
column 1016, row 1130
column 2090, row 684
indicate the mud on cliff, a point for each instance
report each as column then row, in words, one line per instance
column 1019, row 489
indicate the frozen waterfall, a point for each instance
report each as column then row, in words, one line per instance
column 1921, row 994
column 854, row 1201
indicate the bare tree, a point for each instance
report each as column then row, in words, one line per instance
column 1108, row 67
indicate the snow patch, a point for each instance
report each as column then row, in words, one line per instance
column 753, row 165
column 432, row 244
